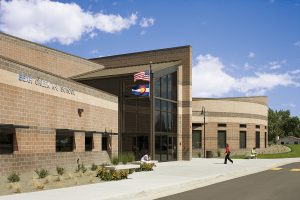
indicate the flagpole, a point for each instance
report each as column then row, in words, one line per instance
column 151, row 112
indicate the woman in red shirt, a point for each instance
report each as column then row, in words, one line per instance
column 227, row 152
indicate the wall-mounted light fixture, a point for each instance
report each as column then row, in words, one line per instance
column 80, row 111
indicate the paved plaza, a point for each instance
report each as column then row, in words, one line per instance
column 166, row 179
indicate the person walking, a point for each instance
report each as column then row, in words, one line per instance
column 227, row 152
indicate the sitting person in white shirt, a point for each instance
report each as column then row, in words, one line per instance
column 253, row 153
column 146, row 158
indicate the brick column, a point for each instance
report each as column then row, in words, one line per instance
column 113, row 145
column 79, row 141
column 97, row 142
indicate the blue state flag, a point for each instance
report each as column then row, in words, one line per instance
column 140, row 90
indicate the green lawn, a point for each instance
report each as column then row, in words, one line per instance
column 295, row 152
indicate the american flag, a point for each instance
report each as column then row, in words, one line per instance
column 144, row 75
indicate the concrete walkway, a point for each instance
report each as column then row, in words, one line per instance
column 166, row 179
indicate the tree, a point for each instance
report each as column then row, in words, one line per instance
column 282, row 124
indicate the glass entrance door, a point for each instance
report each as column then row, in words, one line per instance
column 165, row 148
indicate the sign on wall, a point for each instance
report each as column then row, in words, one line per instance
column 44, row 83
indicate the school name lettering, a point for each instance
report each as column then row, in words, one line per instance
column 43, row 83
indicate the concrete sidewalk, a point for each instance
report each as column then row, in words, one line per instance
column 166, row 179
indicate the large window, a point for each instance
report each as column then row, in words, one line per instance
column 165, row 116
column 64, row 141
column 257, row 139
column 6, row 141
column 243, row 139
column 197, row 139
column 104, row 143
column 166, row 87
column 221, row 139
column 88, row 141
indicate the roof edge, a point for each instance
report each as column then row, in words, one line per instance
column 142, row 52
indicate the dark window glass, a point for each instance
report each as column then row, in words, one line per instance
column 174, row 109
column 170, row 106
column 169, row 86
column 221, row 139
column 170, row 121
column 164, row 121
column 243, row 126
column 88, row 142
column 157, row 147
column 64, row 141
column 174, row 123
column 157, row 104
column 243, row 139
column 257, row 139
column 157, row 121
column 197, row 139
column 157, row 87
column 104, row 143
column 174, row 86
column 257, row 126
column 222, row 125
column 265, row 127
column 164, row 87
column 164, row 148
column 164, row 105
column 266, row 140
column 6, row 141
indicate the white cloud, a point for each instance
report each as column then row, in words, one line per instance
column 276, row 64
column 146, row 22
column 47, row 21
column 247, row 66
column 211, row 80
column 290, row 105
column 297, row 44
column 251, row 55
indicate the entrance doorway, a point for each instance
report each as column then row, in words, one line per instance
column 165, row 148
column 140, row 146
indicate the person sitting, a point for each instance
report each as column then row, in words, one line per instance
column 146, row 158
column 253, row 153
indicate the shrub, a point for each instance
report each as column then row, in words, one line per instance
column 219, row 153
column 147, row 166
column 109, row 175
column 13, row 177
column 130, row 156
column 124, row 158
column 94, row 167
column 115, row 160
column 81, row 168
column 41, row 173
column 60, row 170
column 199, row 154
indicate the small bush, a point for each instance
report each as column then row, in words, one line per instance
column 124, row 158
column 94, row 167
column 199, row 155
column 81, row 168
column 60, row 170
column 219, row 153
column 109, row 175
column 13, row 177
column 41, row 173
column 115, row 160
column 131, row 171
column 147, row 166
column 130, row 156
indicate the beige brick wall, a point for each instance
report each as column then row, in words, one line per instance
column 44, row 58
column 232, row 137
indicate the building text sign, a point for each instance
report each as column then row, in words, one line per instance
column 44, row 83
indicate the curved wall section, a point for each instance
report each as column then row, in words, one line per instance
column 241, row 122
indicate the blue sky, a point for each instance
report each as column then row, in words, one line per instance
column 240, row 48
